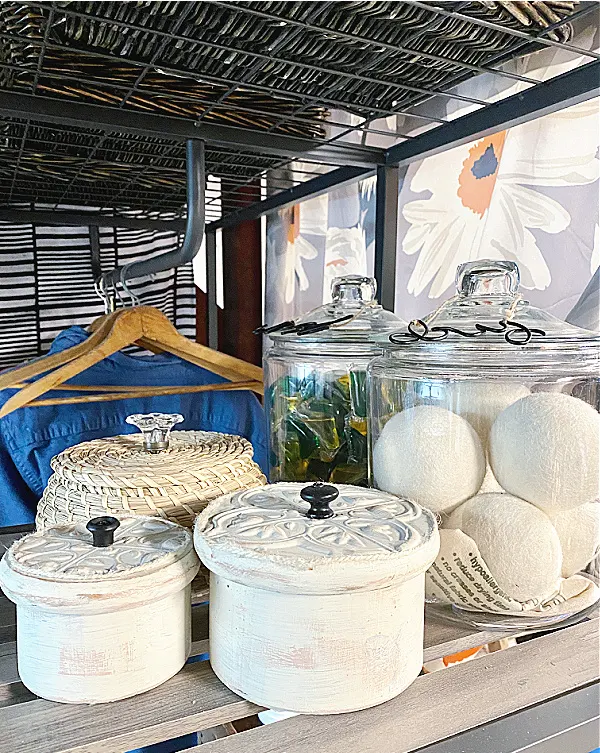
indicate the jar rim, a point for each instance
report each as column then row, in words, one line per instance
column 579, row 357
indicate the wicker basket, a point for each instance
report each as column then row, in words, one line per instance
column 118, row 475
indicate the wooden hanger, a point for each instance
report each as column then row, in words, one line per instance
column 142, row 324
column 11, row 377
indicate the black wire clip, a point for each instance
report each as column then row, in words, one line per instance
column 514, row 332
column 306, row 328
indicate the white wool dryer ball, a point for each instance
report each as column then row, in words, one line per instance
column 482, row 402
column 518, row 543
column 579, row 533
column 430, row 455
column 545, row 448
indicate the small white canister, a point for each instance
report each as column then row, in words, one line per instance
column 103, row 609
column 316, row 594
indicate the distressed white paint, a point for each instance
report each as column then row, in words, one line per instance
column 101, row 624
column 79, row 658
column 316, row 616
column 316, row 654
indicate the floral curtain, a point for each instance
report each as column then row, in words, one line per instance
column 314, row 242
column 527, row 194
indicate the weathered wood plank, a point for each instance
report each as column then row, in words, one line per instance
column 8, row 664
column 8, row 536
column 15, row 693
column 194, row 699
column 8, row 615
column 441, row 704
column 200, row 587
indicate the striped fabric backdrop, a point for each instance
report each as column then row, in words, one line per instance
column 47, row 283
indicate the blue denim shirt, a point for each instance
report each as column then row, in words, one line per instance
column 30, row 437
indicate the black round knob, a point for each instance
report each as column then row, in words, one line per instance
column 103, row 530
column 319, row 495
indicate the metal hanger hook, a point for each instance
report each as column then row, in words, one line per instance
column 135, row 299
column 116, row 293
column 100, row 290
column 109, row 293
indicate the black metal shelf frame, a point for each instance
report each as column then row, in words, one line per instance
column 286, row 130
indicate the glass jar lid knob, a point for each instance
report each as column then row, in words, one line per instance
column 488, row 277
column 353, row 289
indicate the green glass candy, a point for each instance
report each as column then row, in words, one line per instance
column 321, row 429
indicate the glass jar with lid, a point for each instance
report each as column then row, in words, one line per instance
column 315, row 374
column 486, row 412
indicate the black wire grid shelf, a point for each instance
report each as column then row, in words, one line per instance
column 313, row 71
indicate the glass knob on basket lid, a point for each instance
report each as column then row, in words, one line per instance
column 156, row 428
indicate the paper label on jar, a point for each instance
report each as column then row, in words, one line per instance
column 460, row 576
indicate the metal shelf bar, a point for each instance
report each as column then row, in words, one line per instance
column 309, row 189
column 255, row 68
column 393, row 48
column 212, row 310
column 569, row 722
column 571, row 88
column 541, row 98
column 537, row 38
column 546, row 97
column 211, row 104
column 386, row 233
column 212, row 79
column 172, row 36
column 179, row 129
column 520, row 45
column 130, row 92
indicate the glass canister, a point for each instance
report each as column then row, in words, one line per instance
column 315, row 373
column 486, row 412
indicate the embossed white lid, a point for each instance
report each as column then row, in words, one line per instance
column 92, row 560
column 266, row 537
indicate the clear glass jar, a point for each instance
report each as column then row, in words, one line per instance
column 315, row 377
column 487, row 413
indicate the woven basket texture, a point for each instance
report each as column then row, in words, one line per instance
column 117, row 476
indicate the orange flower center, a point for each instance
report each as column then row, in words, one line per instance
column 478, row 176
column 294, row 227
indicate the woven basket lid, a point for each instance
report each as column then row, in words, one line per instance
column 123, row 461
column 170, row 474
column 86, row 563
column 318, row 538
